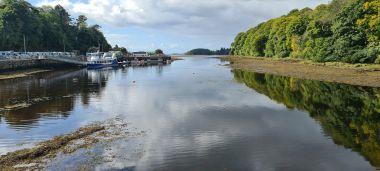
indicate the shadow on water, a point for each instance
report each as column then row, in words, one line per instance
column 25, row 101
column 350, row 115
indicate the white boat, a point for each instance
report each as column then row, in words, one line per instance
column 101, row 60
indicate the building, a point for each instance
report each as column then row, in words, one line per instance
column 140, row 54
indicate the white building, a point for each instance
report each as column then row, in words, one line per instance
column 140, row 54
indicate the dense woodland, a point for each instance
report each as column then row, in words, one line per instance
column 344, row 30
column 46, row 29
column 348, row 114
column 200, row 51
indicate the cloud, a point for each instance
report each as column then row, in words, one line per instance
column 214, row 20
column 179, row 13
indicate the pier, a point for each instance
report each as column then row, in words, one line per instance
column 10, row 60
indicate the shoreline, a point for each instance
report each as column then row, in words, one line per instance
column 48, row 149
column 21, row 73
column 336, row 72
column 84, row 138
column 176, row 58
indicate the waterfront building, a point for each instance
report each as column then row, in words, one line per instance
column 140, row 54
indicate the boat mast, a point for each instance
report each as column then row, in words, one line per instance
column 98, row 46
column 24, row 44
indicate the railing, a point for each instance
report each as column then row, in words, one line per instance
column 57, row 56
column 68, row 59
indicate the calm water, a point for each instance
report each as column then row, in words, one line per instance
column 199, row 115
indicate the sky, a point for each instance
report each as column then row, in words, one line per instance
column 176, row 26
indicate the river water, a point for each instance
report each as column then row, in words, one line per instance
column 198, row 114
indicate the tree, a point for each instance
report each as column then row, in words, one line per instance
column 159, row 52
column 344, row 30
column 93, row 49
column 199, row 51
column 19, row 19
column 121, row 49
column 46, row 29
column 222, row 51
column 350, row 40
column 82, row 22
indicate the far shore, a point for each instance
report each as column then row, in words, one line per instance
column 337, row 72
column 176, row 58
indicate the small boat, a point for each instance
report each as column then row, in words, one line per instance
column 101, row 60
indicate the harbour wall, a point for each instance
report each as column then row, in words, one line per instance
column 19, row 64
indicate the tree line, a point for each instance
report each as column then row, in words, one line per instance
column 343, row 30
column 46, row 29
column 201, row 51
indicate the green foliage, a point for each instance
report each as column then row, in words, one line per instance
column 348, row 114
column 344, row 30
column 82, row 22
column 200, row 51
column 159, row 51
column 121, row 53
column 45, row 29
column 19, row 18
column 236, row 47
column 120, row 49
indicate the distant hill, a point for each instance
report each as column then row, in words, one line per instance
column 201, row 51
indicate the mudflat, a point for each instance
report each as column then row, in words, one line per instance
column 86, row 137
column 20, row 74
column 353, row 74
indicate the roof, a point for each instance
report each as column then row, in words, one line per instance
column 140, row 52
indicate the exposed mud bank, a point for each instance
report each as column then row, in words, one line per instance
column 354, row 74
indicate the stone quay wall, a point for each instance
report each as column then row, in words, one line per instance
column 18, row 64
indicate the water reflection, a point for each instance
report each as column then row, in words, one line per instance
column 196, row 117
column 25, row 101
column 348, row 114
column 44, row 105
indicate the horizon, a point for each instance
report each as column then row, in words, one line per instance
column 176, row 26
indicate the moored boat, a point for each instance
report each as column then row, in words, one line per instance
column 101, row 60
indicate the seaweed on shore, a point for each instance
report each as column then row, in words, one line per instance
column 47, row 148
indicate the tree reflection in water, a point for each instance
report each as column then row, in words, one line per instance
column 25, row 101
column 348, row 114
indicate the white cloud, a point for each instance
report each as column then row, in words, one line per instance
column 192, row 13
column 214, row 20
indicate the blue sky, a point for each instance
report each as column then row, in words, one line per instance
column 176, row 26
